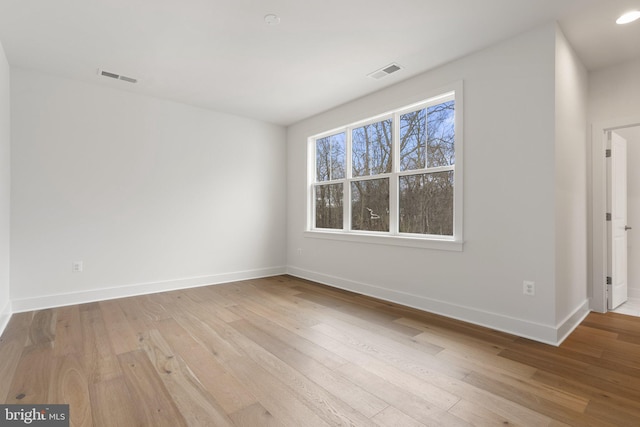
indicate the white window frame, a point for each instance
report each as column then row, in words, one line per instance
column 393, row 236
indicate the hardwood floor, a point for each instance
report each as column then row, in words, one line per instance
column 286, row 352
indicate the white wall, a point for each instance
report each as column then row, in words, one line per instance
column 509, row 198
column 570, row 183
column 149, row 194
column 614, row 92
column 5, row 189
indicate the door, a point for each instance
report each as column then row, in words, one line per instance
column 617, row 289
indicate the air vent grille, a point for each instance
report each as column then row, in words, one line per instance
column 385, row 71
column 117, row 76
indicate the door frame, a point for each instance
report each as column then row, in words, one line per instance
column 597, row 238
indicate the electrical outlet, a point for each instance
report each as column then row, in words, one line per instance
column 77, row 266
column 529, row 288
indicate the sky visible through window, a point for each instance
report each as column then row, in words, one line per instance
column 424, row 175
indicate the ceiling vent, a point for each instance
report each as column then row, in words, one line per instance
column 385, row 71
column 117, row 76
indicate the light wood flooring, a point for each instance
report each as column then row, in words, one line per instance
column 286, row 352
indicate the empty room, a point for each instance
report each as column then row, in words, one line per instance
column 296, row 213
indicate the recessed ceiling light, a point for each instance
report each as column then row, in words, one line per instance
column 628, row 17
column 272, row 19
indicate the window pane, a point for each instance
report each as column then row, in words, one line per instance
column 413, row 140
column 371, row 149
column 441, row 135
column 330, row 157
column 426, row 204
column 329, row 206
column 370, row 205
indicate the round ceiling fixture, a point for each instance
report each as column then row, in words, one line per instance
column 272, row 19
column 628, row 17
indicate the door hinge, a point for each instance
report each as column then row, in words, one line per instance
column 607, row 152
column 608, row 216
column 609, row 281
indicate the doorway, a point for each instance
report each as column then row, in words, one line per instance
column 608, row 236
column 632, row 238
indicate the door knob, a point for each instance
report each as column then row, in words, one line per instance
column 626, row 227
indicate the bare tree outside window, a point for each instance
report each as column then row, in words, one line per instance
column 371, row 148
column 370, row 205
column 441, row 135
column 330, row 157
column 330, row 166
column 413, row 140
column 329, row 212
column 422, row 176
column 427, row 139
column 426, row 203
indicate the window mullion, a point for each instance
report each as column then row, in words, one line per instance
column 393, row 179
column 311, row 184
column 346, row 193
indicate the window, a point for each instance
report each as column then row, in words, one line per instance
column 395, row 177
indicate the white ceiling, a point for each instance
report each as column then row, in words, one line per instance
column 220, row 54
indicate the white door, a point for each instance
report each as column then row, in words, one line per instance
column 617, row 290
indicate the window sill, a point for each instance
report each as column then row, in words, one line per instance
column 379, row 239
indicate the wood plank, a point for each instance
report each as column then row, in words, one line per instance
column 68, row 332
column 369, row 317
column 392, row 417
column 479, row 415
column 231, row 394
column 602, row 412
column 572, row 366
column 151, row 399
column 339, row 386
column 112, row 405
column 121, row 335
column 17, row 328
column 43, row 327
column 325, row 405
column 254, row 415
column 615, row 403
column 364, row 318
column 30, row 383
column 142, row 312
column 566, row 408
column 282, row 403
column 444, row 337
column 194, row 402
column 10, row 353
column 12, row 344
column 314, row 351
column 480, row 361
column 201, row 325
column 99, row 359
column 68, row 385
column 404, row 401
column 405, row 358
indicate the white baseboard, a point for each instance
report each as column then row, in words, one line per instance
column 59, row 300
column 547, row 334
column 572, row 321
column 5, row 316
